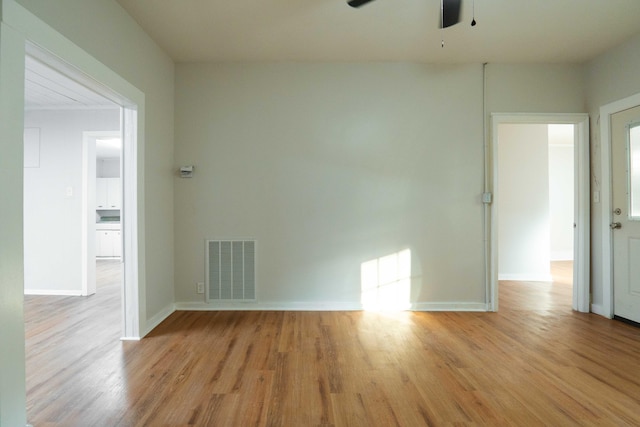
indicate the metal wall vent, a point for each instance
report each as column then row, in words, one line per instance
column 231, row 270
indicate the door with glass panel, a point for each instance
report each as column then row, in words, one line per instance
column 625, row 225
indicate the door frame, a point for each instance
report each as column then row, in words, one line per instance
column 33, row 37
column 131, row 310
column 606, row 199
column 581, row 247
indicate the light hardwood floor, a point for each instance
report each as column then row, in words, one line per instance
column 534, row 363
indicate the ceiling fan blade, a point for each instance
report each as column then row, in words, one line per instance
column 357, row 3
column 449, row 13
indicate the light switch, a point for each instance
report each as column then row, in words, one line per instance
column 68, row 192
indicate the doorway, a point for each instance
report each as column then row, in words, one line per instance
column 523, row 244
column 125, row 116
column 58, row 250
column 102, row 203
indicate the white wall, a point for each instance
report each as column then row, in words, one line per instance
column 610, row 77
column 535, row 88
column 329, row 166
column 523, row 202
column 108, row 168
column 52, row 217
column 561, row 191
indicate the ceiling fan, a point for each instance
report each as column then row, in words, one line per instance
column 449, row 10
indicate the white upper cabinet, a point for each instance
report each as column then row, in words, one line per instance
column 108, row 193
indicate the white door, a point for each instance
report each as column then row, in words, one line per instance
column 625, row 225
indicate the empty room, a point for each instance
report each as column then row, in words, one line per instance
column 326, row 213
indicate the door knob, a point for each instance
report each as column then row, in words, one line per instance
column 615, row 225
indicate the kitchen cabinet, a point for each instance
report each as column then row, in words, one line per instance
column 108, row 242
column 108, row 193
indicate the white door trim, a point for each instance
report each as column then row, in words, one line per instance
column 606, row 111
column 582, row 231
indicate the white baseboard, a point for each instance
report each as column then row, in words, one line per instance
column 450, row 306
column 53, row 292
column 268, row 306
column 561, row 256
column 526, row 277
column 321, row 306
column 159, row 318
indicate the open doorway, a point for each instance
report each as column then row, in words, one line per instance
column 60, row 180
column 536, row 211
column 107, row 207
column 73, row 290
column 102, row 204
column 540, row 210
column 103, row 111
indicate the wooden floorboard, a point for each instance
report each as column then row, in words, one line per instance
column 536, row 362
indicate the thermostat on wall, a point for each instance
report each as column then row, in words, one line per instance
column 186, row 172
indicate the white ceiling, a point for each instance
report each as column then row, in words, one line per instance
column 385, row 30
column 46, row 88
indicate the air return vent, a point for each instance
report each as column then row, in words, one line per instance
column 231, row 270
